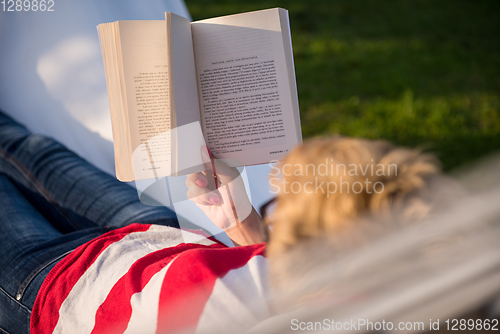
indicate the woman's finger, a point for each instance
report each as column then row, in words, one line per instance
column 198, row 178
column 197, row 199
column 203, row 194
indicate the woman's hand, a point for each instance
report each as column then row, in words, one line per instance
column 227, row 204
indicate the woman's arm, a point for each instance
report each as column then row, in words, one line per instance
column 247, row 232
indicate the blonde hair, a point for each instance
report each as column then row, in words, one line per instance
column 392, row 179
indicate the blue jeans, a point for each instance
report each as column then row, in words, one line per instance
column 52, row 201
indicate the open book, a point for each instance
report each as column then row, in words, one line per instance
column 174, row 86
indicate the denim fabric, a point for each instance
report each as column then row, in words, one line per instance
column 52, row 201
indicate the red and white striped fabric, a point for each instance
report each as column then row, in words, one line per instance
column 153, row 279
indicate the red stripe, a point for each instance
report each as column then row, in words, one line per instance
column 62, row 278
column 204, row 234
column 190, row 280
column 114, row 313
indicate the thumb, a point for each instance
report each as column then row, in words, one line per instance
column 218, row 167
column 206, row 157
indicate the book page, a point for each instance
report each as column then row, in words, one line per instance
column 248, row 105
column 146, row 87
column 108, row 38
column 187, row 138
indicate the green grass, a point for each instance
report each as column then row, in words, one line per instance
column 416, row 72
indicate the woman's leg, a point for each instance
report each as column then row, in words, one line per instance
column 52, row 201
column 30, row 246
column 70, row 192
